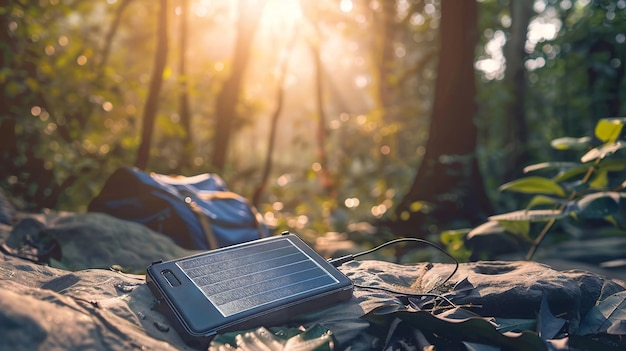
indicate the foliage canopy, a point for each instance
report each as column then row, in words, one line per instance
column 75, row 76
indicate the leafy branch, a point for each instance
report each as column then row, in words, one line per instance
column 590, row 189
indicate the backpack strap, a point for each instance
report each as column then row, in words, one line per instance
column 228, row 195
column 218, row 195
column 205, row 224
column 258, row 220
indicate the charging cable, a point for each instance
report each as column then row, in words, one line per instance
column 343, row 259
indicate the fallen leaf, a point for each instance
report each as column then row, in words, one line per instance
column 608, row 316
column 548, row 326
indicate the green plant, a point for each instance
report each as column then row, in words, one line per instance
column 579, row 199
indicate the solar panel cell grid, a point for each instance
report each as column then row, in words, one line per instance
column 269, row 272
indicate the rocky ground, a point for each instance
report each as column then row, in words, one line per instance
column 88, row 292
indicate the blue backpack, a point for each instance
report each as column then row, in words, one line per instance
column 197, row 212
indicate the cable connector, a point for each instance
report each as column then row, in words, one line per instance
column 341, row 260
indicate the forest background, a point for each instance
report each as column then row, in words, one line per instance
column 408, row 114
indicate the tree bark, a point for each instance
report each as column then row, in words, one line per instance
column 384, row 58
column 184, row 110
column 386, row 96
column 515, row 130
column 448, row 177
column 280, row 95
column 228, row 97
column 108, row 40
column 8, row 138
column 152, row 102
column 320, row 132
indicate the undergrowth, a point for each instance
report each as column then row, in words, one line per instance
column 566, row 200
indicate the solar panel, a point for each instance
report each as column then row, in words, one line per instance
column 263, row 282
column 241, row 279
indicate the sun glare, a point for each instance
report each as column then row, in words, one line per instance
column 281, row 12
column 346, row 5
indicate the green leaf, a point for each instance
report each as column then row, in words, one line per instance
column 577, row 186
column 534, row 185
column 609, row 316
column 490, row 237
column 612, row 165
column 518, row 222
column 516, row 227
column 530, row 215
column 454, row 241
column 597, row 205
column 542, row 200
column 546, row 166
column 570, row 173
column 600, row 180
column 603, row 151
column 451, row 236
column 487, row 228
column 609, row 129
column 568, row 143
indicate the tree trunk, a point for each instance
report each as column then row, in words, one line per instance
column 448, row 176
column 184, row 110
column 384, row 55
column 8, row 138
column 108, row 40
column 320, row 132
column 386, row 94
column 280, row 95
column 152, row 102
column 515, row 130
column 228, row 97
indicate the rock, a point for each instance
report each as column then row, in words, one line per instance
column 111, row 241
column 47, row 308
column 25, row 227
column 94, row 240
column 43, row 308
column 492, row 288
column 82, row 307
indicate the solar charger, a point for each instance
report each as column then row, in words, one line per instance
column 259, row 283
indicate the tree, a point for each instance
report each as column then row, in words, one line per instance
column 8, row 138
column 278, row 108
column 515, row 130
column 320, row 132
column 228, row 97
column 108, row 40
column 606, row 73
column 448, row 177
column 384, row 56
column 152, row 102
column 25, row 172
column 183, row 104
